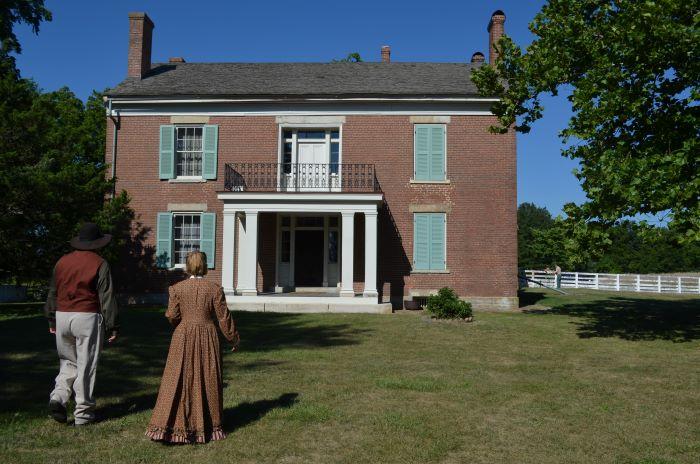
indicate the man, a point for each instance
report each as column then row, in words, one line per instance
column 81, row 308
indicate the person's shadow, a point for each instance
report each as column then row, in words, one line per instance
column 246, row 413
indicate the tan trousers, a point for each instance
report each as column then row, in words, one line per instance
column 79, row 339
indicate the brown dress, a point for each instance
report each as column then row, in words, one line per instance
column 189, row 408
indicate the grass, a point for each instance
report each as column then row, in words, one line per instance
column 588, row 377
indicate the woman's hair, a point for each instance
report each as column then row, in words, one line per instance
column 196, row 263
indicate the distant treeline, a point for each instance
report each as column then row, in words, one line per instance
column 634, row 247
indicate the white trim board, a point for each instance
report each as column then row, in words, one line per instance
column 284, row 110
column 293, row 198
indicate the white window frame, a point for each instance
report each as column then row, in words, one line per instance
column 294, row 140
column 176, row 154
column 184, row 213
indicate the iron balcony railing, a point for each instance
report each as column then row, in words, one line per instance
column 301, row 177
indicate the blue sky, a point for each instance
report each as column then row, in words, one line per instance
column 85, row 48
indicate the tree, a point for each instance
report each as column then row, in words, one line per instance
column 52, row 172
column 633, row 70
column 31, row 12
column 531, row 218
column 351, row 58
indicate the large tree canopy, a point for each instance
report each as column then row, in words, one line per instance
column 633, row 71
column 52, row 171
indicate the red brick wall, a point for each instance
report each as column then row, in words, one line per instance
column 481, row 226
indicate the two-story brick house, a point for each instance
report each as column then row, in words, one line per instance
column 316, row 186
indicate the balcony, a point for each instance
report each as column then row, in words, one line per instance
column 301, row 177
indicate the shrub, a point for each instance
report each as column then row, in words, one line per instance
column 446, row 305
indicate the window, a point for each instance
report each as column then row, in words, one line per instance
column 429, row 152
column 186, row 236
column 188, row 151
column 429, row 253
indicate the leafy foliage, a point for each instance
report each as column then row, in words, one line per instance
column 633, row 70
column 31, row 12
column 630, row 247
column 52, row 173
column 446, row 305
column 351, row 58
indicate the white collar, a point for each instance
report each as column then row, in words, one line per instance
column 195, row 277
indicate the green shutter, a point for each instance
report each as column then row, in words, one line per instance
column 167, row 152
column 164, row 241
column 210, row 142
column 437, row 152
column 208, row 238
column 421, row 240
column 422, row 152
column 437, row 241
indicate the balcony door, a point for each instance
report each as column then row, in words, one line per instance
column 311, row 160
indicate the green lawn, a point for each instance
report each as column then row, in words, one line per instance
column 588, row 377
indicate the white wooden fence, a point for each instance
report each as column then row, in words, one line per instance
column 619, row 282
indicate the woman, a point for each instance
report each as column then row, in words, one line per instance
column 189, row 408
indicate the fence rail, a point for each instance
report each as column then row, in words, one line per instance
column 619, row 282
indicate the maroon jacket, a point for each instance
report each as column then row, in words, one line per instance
column 82, row 282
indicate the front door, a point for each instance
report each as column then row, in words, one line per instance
column 308, row 260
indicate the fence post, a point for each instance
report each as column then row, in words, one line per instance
column 597, row 282
column 658, row 283
column 576, row 279
column 638, row 284
column 617, row 282
column 679, row 285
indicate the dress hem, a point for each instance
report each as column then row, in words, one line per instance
column 184, row 436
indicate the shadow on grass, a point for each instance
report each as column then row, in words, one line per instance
column 246, row 413
column 528, row 298
column 130, row 370
column 636, row 319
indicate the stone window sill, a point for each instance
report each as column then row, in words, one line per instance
column 428, row 271
column 439, row 182
column 187, row 180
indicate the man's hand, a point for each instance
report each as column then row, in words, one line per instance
column 112, row 338
column 52, row 330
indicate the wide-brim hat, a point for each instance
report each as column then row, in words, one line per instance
column 90, row 238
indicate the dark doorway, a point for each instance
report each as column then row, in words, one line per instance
column 308, row 258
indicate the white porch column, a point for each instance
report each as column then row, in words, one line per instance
column 227, row 251
column 370, row 254
column 347, row 256
column 248, row 255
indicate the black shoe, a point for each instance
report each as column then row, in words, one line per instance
column 57, row 412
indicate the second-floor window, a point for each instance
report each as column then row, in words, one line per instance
column 188, row 151
column 429, row 152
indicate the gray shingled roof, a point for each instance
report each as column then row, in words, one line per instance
column 300, row 80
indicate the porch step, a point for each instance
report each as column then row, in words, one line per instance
column 365, row 307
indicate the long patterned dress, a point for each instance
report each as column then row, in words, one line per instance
column 189, row 408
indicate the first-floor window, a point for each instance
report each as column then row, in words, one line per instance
column 429, row 253
column 186, row 236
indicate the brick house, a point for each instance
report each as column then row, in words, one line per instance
column 314, row 186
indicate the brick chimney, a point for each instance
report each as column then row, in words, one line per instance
column 140, row 40
column 176, row 59
column 386, row 54
column 495, row 29
column 478, row 58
